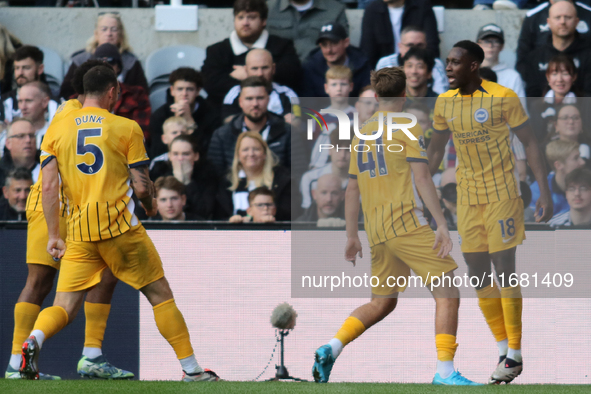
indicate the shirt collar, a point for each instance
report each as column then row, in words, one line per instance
column 239, row 48
column 569, row 98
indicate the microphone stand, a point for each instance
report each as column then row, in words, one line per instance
column 282, row 373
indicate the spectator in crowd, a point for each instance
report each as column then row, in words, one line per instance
column 578, row 196
column 334, row 49
column 561, row 75
column 224, row 63
column 21, row 149
column 491, row 39
column 366, row 105
column 28, row 67
column 254, row 165
column 422, row 110
column 133, row 102
column 569, row 127
column 109, row 29
column 8, row 45
column 15, row 190
column 410, row 37
column 384, row 21
column 184, row 101
column 328, row 197
column 418, row 66
column 196, row 173
column 449, row 199
column 563, row 157
column 172, row 127
column 499, row 5
column 301, row 20
column 259, row 63
column 255, row 117
column 261, row 207
column 535, row 30
column 488, row 74
column 33, row 101
column 172, row 199
column 564, row 39
column 340, row 155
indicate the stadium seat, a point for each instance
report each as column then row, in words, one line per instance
column 54, row 68
column 163, row 61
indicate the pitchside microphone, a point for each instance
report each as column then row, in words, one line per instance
column 284, row 317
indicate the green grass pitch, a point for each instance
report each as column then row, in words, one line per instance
column 144, row 387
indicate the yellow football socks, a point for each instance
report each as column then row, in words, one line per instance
column 351, row 329
column 25, row 315
column 446, row 347
column 173, row 328
column 512, row 307
column 96, row 323
column 51, row 320
column 489, row 300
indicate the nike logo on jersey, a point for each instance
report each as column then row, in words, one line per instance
column 452, row 119
column 508, row 240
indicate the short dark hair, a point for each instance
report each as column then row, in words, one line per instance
column 169, row 183
column 336, row 141
column 28, row 51
column 255, row 82
column 18, row 174
column 98, row 80
column 78, row 78
column 410, row 28
column 421, row 54
column 260, row 191
column 474, row 50
column 449, row 193
column 389, row 82
column 185, row 138
column 259, row 6
column 580, row 176
column 488, row 74
column 187, row 74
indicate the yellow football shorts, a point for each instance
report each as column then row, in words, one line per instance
column 132, row 257
column 37, row 238
column 491, row 227
column 396, row 257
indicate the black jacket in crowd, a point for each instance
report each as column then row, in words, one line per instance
column 8, row 213
column 377, row 36
column 220, row 62
column 200, row 191
column 223, row 142
column 281, row 188
column 205, row 116
column 535, row 31
column 315, row 68
column 533, row 70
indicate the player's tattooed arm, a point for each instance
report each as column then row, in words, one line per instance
column 143, row 187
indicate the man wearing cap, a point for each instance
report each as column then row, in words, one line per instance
column 334, row 49
column 300, row 21
column 134, row 102
column 492, row 40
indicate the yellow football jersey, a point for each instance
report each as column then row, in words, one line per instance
column 34, row 200
column 94, row 151
column 390, row 202
column 480, row 126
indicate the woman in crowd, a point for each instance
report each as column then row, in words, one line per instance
column 254, row 165
column 8, row 45
column 109, row 29
column 196, row 173
column 569, row 127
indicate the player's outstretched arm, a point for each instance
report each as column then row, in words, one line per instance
column 426, row 189
column 351, row 217
column 538, row 167
column 436, row 149
column 56, row 246
column 144, row 188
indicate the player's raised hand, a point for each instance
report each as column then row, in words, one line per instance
column 442, row 237
column 56, row 248
column 352, row 248
column 546, row 205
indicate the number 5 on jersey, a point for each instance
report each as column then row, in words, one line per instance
column 83, row 148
